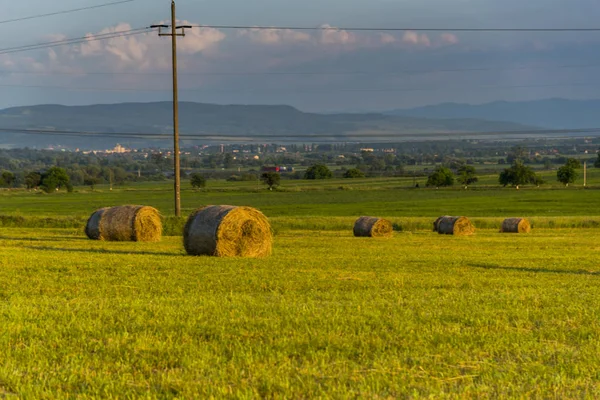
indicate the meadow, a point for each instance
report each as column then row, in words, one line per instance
column 419, row 315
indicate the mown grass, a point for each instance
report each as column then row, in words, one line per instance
column 329, row 315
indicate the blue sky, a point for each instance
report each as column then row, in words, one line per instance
column 314, row 71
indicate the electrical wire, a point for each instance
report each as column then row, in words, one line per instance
column 308, row 73
column 84, row 39
column 383, row 29
column 7, row 21
column 294, row 91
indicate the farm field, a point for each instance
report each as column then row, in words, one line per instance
column 328, row 315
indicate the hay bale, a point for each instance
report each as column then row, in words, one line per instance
column 373, row 227
column 515, row 225
column 459, row 226
column 436, row 223
column 125, row 224
column 228, row 231
column 92, row 227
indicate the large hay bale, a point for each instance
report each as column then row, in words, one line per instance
column 373, row 227
column 92, row 227
column 515, row 225
column 459, row 226
column 125, row 224
column 228, row 231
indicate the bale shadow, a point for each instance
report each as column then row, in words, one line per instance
column 103, row 251
column 535, row 270
column 38, row 239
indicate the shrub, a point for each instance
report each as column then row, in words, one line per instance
column 271, row 179
column 197, row 181
column 354, row 173
column 55, row 179
column 318, row 171
column 442, row 176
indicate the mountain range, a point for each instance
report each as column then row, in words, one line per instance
column 549, row 113
column 269, row 123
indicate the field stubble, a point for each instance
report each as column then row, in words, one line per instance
column 329, row 315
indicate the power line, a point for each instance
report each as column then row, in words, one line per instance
column 309, row 73
column 383, row 29
column 294, row 91
column 7, row 21
column 84, row 39
column 300, row 137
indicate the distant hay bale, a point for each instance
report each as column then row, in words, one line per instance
column 458, row 226
column 373, row 227
column 228, row 231
column 436, row 223
column 515, row 225
column 125, row 224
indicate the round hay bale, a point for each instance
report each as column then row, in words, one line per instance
column 515, row 225
column 92, row 227
column 436, row 223
column 228, row 231
column 125, row 224
column 373, row 227
column 459, row 226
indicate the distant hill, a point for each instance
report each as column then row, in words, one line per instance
column 272, row 123
column 551, row 113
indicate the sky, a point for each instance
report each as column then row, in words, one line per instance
column 317, row 71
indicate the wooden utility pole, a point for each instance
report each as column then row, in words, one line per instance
column 584, row 173
column 176, row 153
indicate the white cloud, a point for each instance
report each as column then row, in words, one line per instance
column 275, row 36
column 198, row 40
column 413, row 38
column 144, row 51
column 449, row 38
column 386, row 38
column 331, row 36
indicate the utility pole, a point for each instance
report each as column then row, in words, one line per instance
column 174, row 34
column 584, row 173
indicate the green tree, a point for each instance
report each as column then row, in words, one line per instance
column 354, row 173
column 197, row 180
column 573, row 163
column 91, row 181
column 271, row 179
column 442, row 176
column 518, row 174
column 33, row 180
column 597, row 162
column 568, row 172
column 228, row 161
column 7, row 179
column 467, row 175
column 55, row 178
column 377, row 164
column 318, row 171
column 120, row 176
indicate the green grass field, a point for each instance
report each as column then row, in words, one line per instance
column 327, row 316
